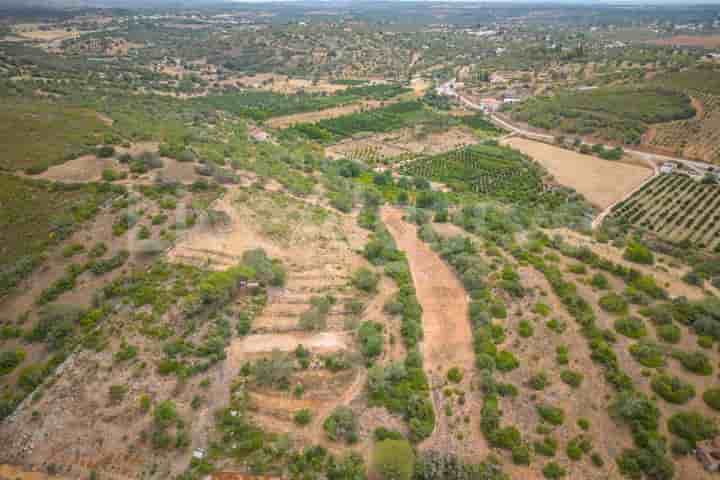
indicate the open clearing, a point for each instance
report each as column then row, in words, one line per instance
column 602, row 182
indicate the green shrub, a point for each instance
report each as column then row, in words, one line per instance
column 584, row 424
column 541, row 309
column 669, row 333
column 365, row 280
column 600, row 281
column 562, row 355
column 638, row 253
column 382, row 433
column 613, row 303
column 711, row 397
column 672, row 389
column 557, row 326
column 525, row 329
column 393, row 460
column 165, row 414
column 631, row 327
column 539, row 381
column 72, row 250
column 705, row 341
column 455, row 375
column 648, row 354
column 552, row 415
column 553, row 471
column 303, row 417
column 505, row 361
column 695, row 362
column 577, row 268
column 692, row 426
column 370, row 335
column 506, row 438
column 341, row 425
column 106, row 151
column 98, row 250
column 521, row 455
column 547, row 447
column 572, row 378
column 10, row 359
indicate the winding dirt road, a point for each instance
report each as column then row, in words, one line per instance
column 447, row 339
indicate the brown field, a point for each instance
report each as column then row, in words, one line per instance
column 602, row 182
column 312, row 117
column 38, row 32
column 706, row 41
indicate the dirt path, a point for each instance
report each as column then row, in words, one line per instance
column 447, row 335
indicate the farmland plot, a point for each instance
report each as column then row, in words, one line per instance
column 602, row 182
column 676, row 208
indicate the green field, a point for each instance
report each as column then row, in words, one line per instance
column 37, row 214
column 380, row 120
column 260, row 105
column 707, row 81
column 486, row 169
column 617, row 114
column 38, row 134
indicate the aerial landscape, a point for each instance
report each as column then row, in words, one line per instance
column 359, row 240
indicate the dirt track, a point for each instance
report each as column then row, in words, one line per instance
column 447, row 338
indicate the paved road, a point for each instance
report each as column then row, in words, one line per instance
column 651, row 158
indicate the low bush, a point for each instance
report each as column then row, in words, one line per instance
column 638, row 253
column 695, row 362
column 342, row 425
column 669, row 333
column 600, row 281
column 366, row 280
column 711, row 397
column 10, row 359
column 613, row 303
column 303, row 417
column 692, row 427
column 631, row 327
column 673, row 389
column 572, row 378
column 553, row 471
column 547, row 447
column 455, row 375
column 550, row 414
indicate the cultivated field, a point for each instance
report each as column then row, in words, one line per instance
column 602, row 182
column 383, row 147
column 312, row 117
column 675, row 208
column 705, row 41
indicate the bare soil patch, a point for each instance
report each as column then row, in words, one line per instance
column 287, row 342
column 87, row 168
column 602, row 182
